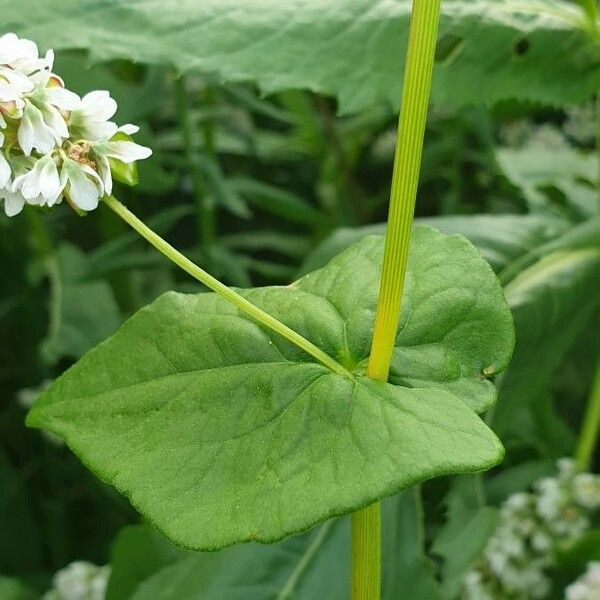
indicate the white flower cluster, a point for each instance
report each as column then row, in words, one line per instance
column 517, row 558
column 587, row 587
column 54, row 144
column 79, row 581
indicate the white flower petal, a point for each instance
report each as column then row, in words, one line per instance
column 126, row 152
column 5, row 171
column 13, row 84
column 13, row 202
column 62, row 98
column 82, row 191
column 40, row 185
column 13, row 109
column 90, row 119
column 105, row 173
column 98, row 105
column 34, row 133
column 13, row 48
column 49, row 60
column 54, row 119
column 129, row 129
column 49, row 181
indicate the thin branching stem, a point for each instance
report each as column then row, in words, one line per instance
column 225, row 292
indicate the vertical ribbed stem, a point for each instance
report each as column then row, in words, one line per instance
column 366, row 553
column 366, row 524
column 588, row 435
column 407, row 162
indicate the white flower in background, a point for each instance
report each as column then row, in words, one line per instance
column 55, row 145
column 520, row 554
column 587, row 587
column 586, row 488
column 79, row 581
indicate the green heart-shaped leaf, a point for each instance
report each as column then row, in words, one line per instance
column 220, row 431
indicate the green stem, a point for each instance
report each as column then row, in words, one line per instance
column 590, row 427
column 407, row 163
column 598, row 142
column 366, row 553
column 42, row 242
column 208, row 126
column 227, row 293
column 290, row 587
column 204, row 207
column 351, row 211
column 591, row 10
column 366, row 526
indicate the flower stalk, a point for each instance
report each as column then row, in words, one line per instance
column 225, row 292
column 366, row 524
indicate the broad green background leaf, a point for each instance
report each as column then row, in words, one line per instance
column 553, row 300
column 220, row 432
column 407, row 571
column 305, row 567
column 126, row 251
column 13, row 589
column 83, row 309
column 489, row 49
column 248, row 572
column 574, row 558
column 17, row 522
column 299, row 567
column 469, row 525
column 517, row 478
column 500, row 238
column 536, row 168
column 138, row 552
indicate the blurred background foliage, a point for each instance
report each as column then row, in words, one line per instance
column 259, row 189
